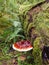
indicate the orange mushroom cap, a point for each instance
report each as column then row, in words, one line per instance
column 22, row 46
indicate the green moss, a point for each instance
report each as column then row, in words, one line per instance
column 37, row 52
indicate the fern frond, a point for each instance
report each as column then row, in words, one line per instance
column 13, row 35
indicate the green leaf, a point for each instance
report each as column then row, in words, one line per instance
column 16, row 24
column 20, row 36
column 13, row 35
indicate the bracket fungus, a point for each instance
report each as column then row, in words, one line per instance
column 22, row 46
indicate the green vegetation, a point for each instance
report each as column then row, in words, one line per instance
column 23, row 20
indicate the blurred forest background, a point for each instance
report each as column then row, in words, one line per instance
column 23, row 20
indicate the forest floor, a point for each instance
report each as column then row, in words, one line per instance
column 13, row 60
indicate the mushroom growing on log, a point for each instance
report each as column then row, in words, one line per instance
column 22, row 46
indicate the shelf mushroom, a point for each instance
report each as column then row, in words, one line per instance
column 22, row 46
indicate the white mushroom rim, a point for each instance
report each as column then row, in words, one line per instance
column 22, row 50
